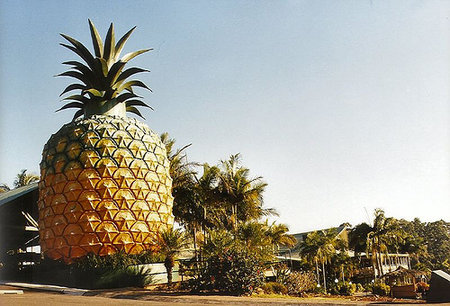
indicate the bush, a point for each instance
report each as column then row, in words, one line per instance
column 319, row 290
column 343, row 288
column 125, row 277
column 360, row 288
column 235, row 271
column 95, row 272
column 381, row 288
column 274, row 287
column 300, row 282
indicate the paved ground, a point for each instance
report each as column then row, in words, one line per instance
column 145, row 297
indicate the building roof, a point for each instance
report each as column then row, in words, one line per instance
column 302, row 236
column 11, row 195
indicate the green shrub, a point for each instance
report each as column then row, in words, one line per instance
column 360, row 288
column 235, row 271
column 125, row 277
column 274, row 287
column 343, row 288
column 95, row 272
column 300, row 282
column 319, row 290
column 381, row 288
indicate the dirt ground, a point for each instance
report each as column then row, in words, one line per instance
column 145, row 297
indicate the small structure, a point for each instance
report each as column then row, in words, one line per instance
column 439, row 287
column 19, row 237
column 403, row 282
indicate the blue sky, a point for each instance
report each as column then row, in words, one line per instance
column 341, row 106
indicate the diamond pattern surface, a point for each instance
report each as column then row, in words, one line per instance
column 104, row 188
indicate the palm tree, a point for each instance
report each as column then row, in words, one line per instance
column 384, row 233
column 242, row 196
column 253, row 234
column 320, row 246
column 277, row 234
column 219, row 240
column 24, row 179
column 4, row 188
column 171, row 242
column 180, row 169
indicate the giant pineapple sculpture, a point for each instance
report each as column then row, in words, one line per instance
column 105, row 184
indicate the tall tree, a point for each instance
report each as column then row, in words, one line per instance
column 278, row 235
column 385, row 233
column 242, row 196
column 180, row 169
column 357, row 238
column 320, row 247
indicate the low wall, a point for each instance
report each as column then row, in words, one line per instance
column 159, row 273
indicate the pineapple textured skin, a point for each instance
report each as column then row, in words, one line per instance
column 105, row 187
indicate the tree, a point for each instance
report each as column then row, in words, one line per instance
column 253, row 234
column 241, row 195
column 384, row 233
column 278, row 235
column 320, row 247
column 437, row 238
column 357, row 238
column 180, row 169
column 24, row 179
column 171, row 242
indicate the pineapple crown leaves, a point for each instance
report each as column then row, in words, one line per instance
column 102, row 75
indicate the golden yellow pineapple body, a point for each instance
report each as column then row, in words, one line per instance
column 105, row 187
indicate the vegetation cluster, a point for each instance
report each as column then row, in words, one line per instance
column 223, row 227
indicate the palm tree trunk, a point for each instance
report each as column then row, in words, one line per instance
column 324, row 278
column 317, row 272
column 169, row 266
column 379, row 264
column 169, row 276
column 374, row 264
column 195, row 242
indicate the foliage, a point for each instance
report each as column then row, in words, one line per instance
column 381, row 288
column 357, row 238
column 343, row 288
column 296, row 282
column 437, row 240
column 171, row 242
column 428, row 243
column 124, row 277
column 97, row 272
column 235, row 271
column 103, row 77
column 360, row 288
column 4, row 188
column 384, row 233
column 148, row 257
column 274, row 287
column 24, row 179
column 319, row 290
column 278, row 235
column 218, row 242
column 320, row 247
column 115, row 261
column 241, row 195
column 300, row 282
